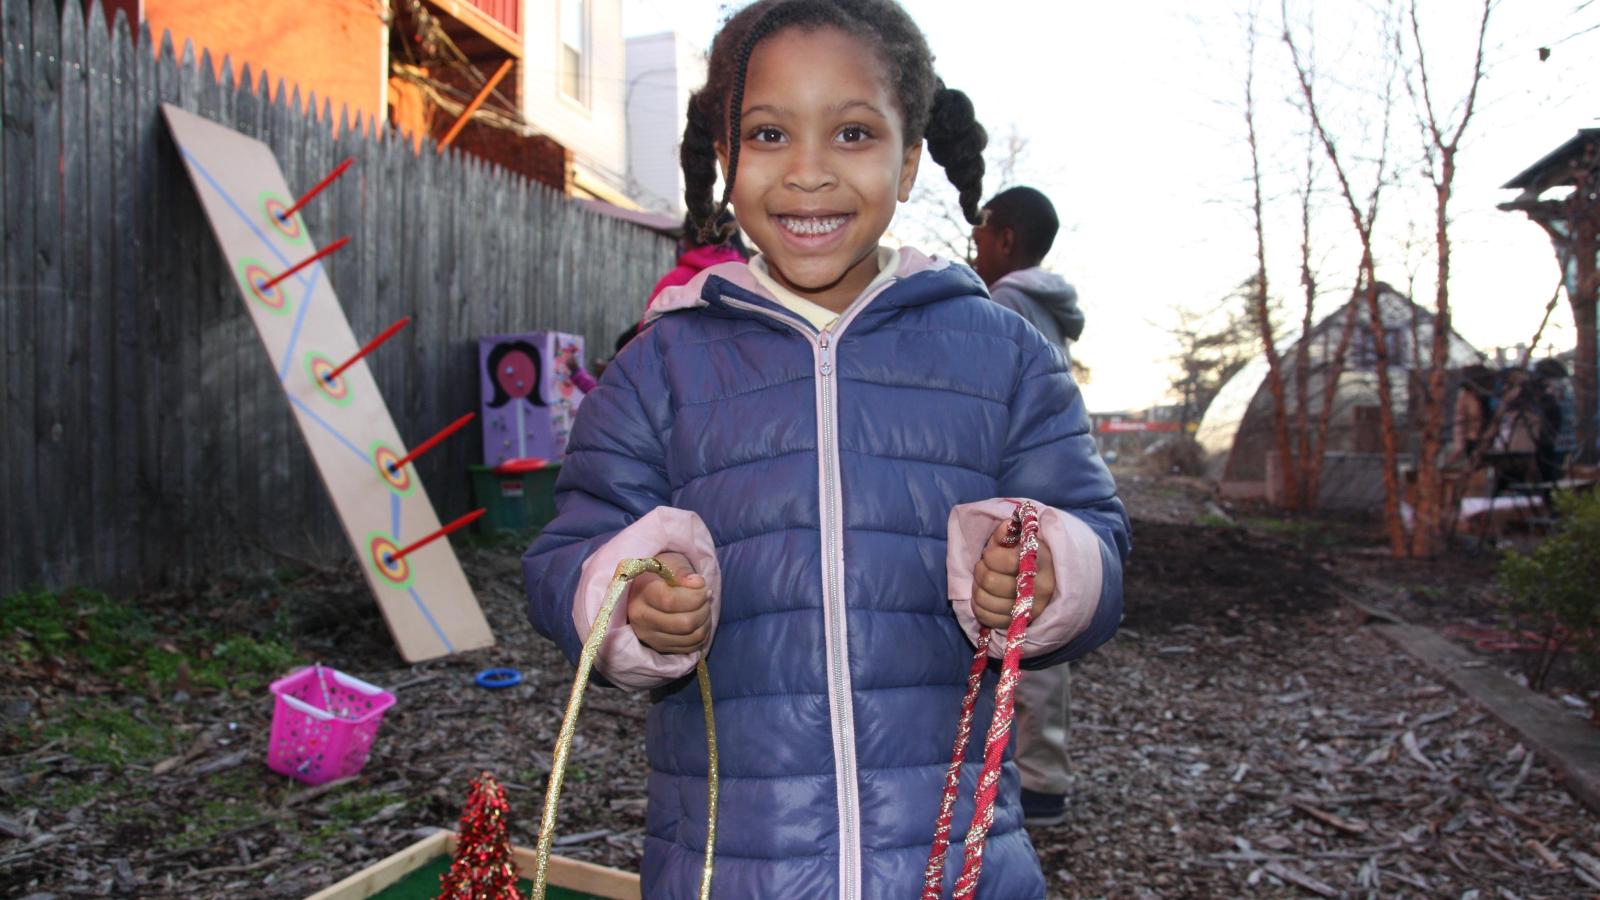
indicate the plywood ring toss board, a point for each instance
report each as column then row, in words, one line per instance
column 426, row 601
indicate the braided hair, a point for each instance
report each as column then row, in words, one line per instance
column 929, row 109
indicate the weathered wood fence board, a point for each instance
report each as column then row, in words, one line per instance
column 16, row 156
column 144, row 438
column 51, row 300
column 100, row 280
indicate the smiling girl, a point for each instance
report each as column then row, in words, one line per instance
column 826, row 443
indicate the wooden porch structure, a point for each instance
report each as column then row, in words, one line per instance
column 1572, row 221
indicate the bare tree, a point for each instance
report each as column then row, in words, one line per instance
column 1301, row 446
column 1364, row 218
column 1007, row 153
column 1333, row 373
column 938, row 223
column 1546, row 50
column 1258, row 290
column 1443, row 142
column 1302, row 350
column 1312, row 447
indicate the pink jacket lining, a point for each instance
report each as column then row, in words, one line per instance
column 687, row 296
column 623, row 659
column 627, row 662
column 1075, row 557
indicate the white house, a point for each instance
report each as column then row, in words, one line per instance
column 662, row 71
column 573, row 72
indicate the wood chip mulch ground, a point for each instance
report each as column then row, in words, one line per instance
column 1242, row 736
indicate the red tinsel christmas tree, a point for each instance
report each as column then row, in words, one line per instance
column 482, row 869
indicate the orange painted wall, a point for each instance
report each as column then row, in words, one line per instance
column 332, row 47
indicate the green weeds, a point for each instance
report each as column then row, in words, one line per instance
column 93, row 635
column 96, row 731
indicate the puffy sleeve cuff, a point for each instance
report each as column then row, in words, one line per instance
column 1075, row 554
column 623, row 659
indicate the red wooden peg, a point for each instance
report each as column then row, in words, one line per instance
column 429, row 444
column 457, row 525
column 306, row 198
column 331, row 248
column 370, row 346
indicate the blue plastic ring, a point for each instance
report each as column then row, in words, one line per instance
column 496, row 679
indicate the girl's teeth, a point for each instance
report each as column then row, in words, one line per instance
column 812, row 226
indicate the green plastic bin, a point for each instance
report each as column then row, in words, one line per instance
column 516, row 501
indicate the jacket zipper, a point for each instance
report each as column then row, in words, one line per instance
column 839, row 697
column 844, row 739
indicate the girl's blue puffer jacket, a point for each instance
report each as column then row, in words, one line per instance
column 825, row 466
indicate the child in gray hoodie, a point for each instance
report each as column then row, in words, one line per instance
column 1018, row 228
column 1011, row 243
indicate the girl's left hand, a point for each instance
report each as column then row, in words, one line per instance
column 994, row 581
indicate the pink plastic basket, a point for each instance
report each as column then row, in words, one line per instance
column 323, row 724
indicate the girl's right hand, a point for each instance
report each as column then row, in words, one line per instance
column 671, row 620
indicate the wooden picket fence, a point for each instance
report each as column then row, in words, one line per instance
column 143, row 437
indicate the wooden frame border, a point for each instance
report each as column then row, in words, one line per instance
column 567, row 873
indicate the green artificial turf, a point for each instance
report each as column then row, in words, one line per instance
column 422, row 883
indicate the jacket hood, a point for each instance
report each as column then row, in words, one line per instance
column 934, row 279
column 705, row 257
column 1052, row 293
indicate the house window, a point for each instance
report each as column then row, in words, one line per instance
column 574, row 49
column 1366, row 354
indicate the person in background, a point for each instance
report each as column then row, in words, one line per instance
column 1019, row 226
column 1471, row 420
column 581, row 379
column 694, row 256
column 1517, row 440
column 1558, row 435
column 1018, row 230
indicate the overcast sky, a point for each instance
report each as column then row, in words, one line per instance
column 1132, row 116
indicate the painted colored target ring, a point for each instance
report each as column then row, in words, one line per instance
column 337, row 390
column 253, row 275
column 399, row 479
column 273, row 206
column 380, row 550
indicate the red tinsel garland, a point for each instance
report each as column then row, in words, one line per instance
column 482, row 869
column 1024, row 530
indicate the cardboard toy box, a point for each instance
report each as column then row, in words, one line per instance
column 529, row 400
